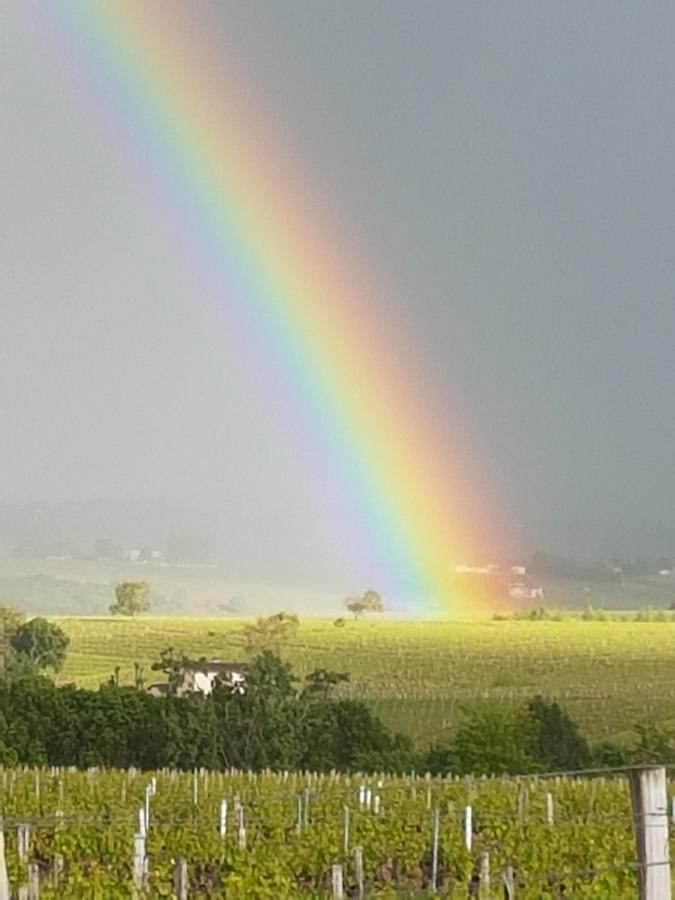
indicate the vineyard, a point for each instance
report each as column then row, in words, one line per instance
column 419, row 675
column 115, row 834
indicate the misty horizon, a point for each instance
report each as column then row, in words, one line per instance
column 75, row 527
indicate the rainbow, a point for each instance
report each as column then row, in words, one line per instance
column 343, row 363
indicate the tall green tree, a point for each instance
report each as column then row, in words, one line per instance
column 370, row 601
column 10, row 620
column 270, row 633
column 131, row 598
column 557, row 742
column 172, row 664
column 42, row 643
column 321, row 681
column 495, row 738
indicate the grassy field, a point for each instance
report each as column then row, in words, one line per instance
column 418, row 676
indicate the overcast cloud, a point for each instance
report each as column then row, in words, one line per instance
column 506, row 171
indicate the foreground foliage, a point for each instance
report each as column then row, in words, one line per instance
column 274, row 723
column 283, row 832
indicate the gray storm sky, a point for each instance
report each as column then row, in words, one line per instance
column 508, row 168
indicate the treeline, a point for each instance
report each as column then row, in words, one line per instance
column 588, row 614
column 614, row 570
column 276, row 723
column 279, row 722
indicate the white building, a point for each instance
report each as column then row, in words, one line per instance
column 522, row 591
column 202, row 677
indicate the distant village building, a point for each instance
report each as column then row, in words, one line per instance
column 144, row 555
column 490, row 569
column 519, row 590
column 202, row 677
column 512, row 579
column 149, row 555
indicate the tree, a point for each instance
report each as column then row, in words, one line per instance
column 320, row 681
column 11, row 620
column 275, row 723
column 537, row 737
column 269, row 678
column 131, row 598
column 495, row 738
column 355, row 606
column 656, row 744
column 42, row 643
column 557, row 742
column 172, row 666
column 270, row 633
column 371, row 601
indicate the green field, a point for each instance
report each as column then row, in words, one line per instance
column 419, row 676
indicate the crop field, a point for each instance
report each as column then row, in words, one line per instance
column 98, row 834
column 419, row 676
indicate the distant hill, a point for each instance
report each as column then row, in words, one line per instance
column 42, row 594
column 66, row 587
column 636, row 592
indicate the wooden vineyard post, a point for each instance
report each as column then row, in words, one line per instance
column 358, row 872
column 336, row 882
column 434, row 852
column 33, row 882
column 139, row 864
column 650, row 821
column 345, row 831
column 241, row 828
column 484, row 874
column 4, row 880
column 57, row 874
column 305, row 808
column 222, row 819
column 146, row 806
column 23, row 841
column 509, row 882
column 522, row 803
column 468, row 827
column 180, row 880
column 549, row 809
